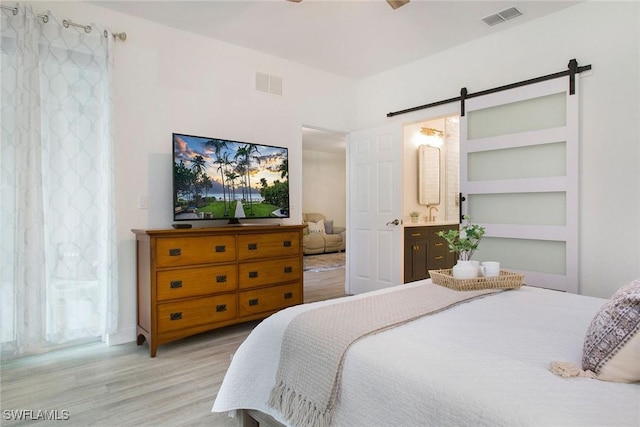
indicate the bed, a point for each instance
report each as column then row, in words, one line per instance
column 484, row 362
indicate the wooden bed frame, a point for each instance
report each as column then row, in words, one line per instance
column 253, row 418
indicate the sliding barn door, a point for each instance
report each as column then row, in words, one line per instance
column 519, row 175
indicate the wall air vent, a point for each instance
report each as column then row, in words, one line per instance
column 502, row 16
column 268, row 83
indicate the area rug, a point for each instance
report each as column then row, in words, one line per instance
column 324, row 262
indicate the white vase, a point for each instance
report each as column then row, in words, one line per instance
column 464, row 270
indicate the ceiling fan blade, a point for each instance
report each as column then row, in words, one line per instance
column 397, row 3
column 295, row 1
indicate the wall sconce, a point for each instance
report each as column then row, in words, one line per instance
column 432, row 137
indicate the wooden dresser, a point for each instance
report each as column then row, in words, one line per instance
column 194, row 280
column 424, row 250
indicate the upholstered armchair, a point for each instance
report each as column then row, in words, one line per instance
column 321, row 236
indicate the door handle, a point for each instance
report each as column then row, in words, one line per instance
column 394, row 222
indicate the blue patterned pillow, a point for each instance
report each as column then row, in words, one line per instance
column 612, row 345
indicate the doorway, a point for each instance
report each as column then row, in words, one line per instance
column 324, row 174
column 446, row 185
column 324, row 192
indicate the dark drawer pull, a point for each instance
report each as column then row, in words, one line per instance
column 253, row 301
column 288, row 269
column 416, row 234
column 253, row 274
column 288, row 295
column 439, row 257
column 176, row 316
column 439, row 244
column 175, row 284
column 221, row 307
column 221, row 278
column 286, row 243
column 252, row 246
column 175, row 252
column 221, row 248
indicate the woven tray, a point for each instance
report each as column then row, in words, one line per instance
column 506, row 280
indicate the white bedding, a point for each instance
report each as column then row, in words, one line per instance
column 481, row 363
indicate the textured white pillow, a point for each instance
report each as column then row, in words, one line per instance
column 612, row 345
column 316, row 227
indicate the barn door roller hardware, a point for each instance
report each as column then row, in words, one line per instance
column 572, row 69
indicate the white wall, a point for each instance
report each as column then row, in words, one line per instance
column 604, row 34
column 165, row 81
column 324, row 185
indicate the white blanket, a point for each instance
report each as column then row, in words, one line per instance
column 316, row 342
column 484, row 363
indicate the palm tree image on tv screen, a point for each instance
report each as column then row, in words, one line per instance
column 224, row 179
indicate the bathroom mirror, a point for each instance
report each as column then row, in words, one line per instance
column 428, row 175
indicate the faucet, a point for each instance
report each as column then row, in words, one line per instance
column 431, row 218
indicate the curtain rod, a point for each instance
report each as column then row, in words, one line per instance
column 573, row 68
column 67, row 23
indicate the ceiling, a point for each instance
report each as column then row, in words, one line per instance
column 351, row 38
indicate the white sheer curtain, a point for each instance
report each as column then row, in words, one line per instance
column 58, row 242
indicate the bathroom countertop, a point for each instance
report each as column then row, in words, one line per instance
column 428, row 224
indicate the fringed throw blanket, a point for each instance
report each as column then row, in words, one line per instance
column 316, row 341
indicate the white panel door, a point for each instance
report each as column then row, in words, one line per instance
column 519, row 175
column 374, row 232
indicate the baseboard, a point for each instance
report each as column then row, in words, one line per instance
column 123, row 336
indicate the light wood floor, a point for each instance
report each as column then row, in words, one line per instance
column 122, row 386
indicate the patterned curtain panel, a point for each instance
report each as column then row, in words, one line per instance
column 59, row 262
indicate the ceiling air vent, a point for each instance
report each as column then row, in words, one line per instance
column 502, row 16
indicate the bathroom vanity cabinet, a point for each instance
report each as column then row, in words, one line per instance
column 424, row 250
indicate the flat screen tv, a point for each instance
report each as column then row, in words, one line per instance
column 221, row 179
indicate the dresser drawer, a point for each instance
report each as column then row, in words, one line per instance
column 269, row 299
column 438, row 243
column 177, row 251
column 261, row 273
column 433, row 232
column 415, row 233
column 194, row 312
column 268, row 245
column 174, row 284
column 437, row 262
